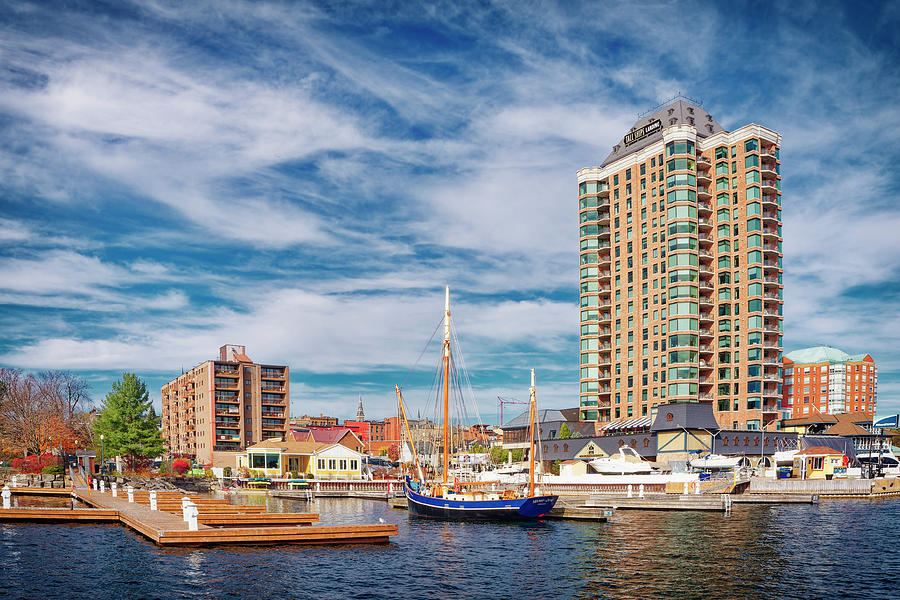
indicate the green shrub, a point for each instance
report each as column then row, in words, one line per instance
column 226, row 472
column 52, row 470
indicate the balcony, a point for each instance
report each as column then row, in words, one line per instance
column 278, row 375
column 704, row 192
column 703, row 160
column 704, row 207
column 227, row 373
column 228, row 438
column 228, row 411
column 273, row 415
column 228, row 424
column 767, row 199
column 770, row 184
column 770, row 215
column 704, row 176
column 273, row 388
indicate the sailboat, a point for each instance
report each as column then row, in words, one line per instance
column 448, row 500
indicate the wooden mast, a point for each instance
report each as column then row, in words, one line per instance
column 532, row 412
column 412, row 442
column 446, row 382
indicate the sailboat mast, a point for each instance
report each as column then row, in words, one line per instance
column 446, row 382
column 532, row 402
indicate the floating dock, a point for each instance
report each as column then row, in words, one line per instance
column 218, row 522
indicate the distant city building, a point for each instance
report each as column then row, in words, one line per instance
column 680, row 271
column 308, row 421
column 221, row 407
column 825, row 380
column 360, row 415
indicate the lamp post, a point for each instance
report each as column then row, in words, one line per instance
column 102, row 462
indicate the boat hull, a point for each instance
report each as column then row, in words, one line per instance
column 518, row 509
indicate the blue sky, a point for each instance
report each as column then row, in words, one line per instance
column 304, row 178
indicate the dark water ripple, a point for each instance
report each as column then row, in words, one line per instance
column 838, row 549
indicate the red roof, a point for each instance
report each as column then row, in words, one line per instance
column 242, row 358
column 820, row 450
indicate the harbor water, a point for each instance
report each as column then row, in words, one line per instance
column 836, row 549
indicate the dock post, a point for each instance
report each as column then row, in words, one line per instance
column 184, row 504
column 629, row 491
column 351, row 487
column 641, row 491
column 131, row 494
column 152, row 499
column 696, row 488
column 318, row 486
column 115, row 489
column 687, row 488
column 15, row 481
column 95, row 485
column 102, row 486
column 190, row 515
column 6, row 496
column 390, row 489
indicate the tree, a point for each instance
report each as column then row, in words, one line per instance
column 128, row 422
column 42, row 412
column 393, row 452
column 564, row 432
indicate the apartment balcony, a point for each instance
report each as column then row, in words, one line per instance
column 273, row 388
column 705, row 239
column 272, row 402
column 770, row 215
column 773, row 280
column 707, row 349
column 603, row 190
column 276, row 375
column 605, row 288
column 605, row 302
column 707, row 332
column 703, row 160
column 704, row 365
column 228, row 411
column 228, row 424
column 771, row 296
column 704, row 192
column 704, row 177
column 273, row 415
column 604, row 274
column 604, row 259
column 704, row 207
column 771, row 231
column 228, row 438
column 772, row 263
column 605, row 333
column 603, row 317
column 706, row 300
column 767, row 199
column 707, row 316
column 226, row 386
column 705, row 222
column 771, row 249
column 770, row 185
column 603, row 375
column 705, row 398
column 229, row 399
column 227, row 373
column 706, row 284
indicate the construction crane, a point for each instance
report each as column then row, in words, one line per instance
column 501, row 401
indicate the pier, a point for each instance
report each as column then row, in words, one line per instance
column 205, row 521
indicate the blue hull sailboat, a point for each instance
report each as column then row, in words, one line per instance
column 449, row 500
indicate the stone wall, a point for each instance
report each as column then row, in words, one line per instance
column 38, row 481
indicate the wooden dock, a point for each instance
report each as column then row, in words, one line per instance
column 30, row 491
column 217, row 523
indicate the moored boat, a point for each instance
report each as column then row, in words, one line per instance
column 628, row 462
column 452, row 500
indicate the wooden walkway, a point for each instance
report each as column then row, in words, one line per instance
column 218, row 522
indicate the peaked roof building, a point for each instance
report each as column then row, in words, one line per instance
column 360, row 415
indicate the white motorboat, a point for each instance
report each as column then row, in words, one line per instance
column 714, row 461
column 628, row 462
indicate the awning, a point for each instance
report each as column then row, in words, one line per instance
column 638, row 423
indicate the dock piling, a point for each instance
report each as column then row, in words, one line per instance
column 190, row 515
column 115, row 489
column 15, row 481
column 102, row 486
column 184, row 505
column 6, row 495
column 152, row 499
column 95, row 485
column 641, row 491
column 130, row 494
column 629, row 491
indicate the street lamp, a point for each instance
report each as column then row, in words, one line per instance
column 102, row 462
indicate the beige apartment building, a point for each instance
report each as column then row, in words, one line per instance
column 681, row 271
column 220, row 407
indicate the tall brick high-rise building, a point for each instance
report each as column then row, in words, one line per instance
column 222, row 406
column 680, row 270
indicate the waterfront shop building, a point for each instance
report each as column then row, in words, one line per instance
column 681, row 271
column 220, row 407
column 278, row 459
column 345, row 437
column 824, row 380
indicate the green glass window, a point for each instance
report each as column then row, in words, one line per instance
column 724, row 325
column 681, row 179
column 272, row 461
column 682, row 212
column 724, row 262
column 722, row 183
column 683, row 372
column 683, row 291
column 754, row 208
column 683, row 389
column 751, row 145
column 724, row 246
column 686, row 260
column 723, row 231
column 673, row 148
column 754, row 273
column 682, row 243
column 588, row 202
column 754, row 225
column 753, row 177
column 754, row 322
column 681, row 196
column 684, row 308
column 682, row 227
column 754, row 306
column 680, row 164
column 751, row 160
column 723, row 215
column 725, row 294
column 754, row 241
column 753, row 193
column 684, row 325
column 754, row 256
column 722, row 200
column 722, row 168
column 754, row 289
column 721, row 152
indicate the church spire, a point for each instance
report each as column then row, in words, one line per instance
column 360, row 415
